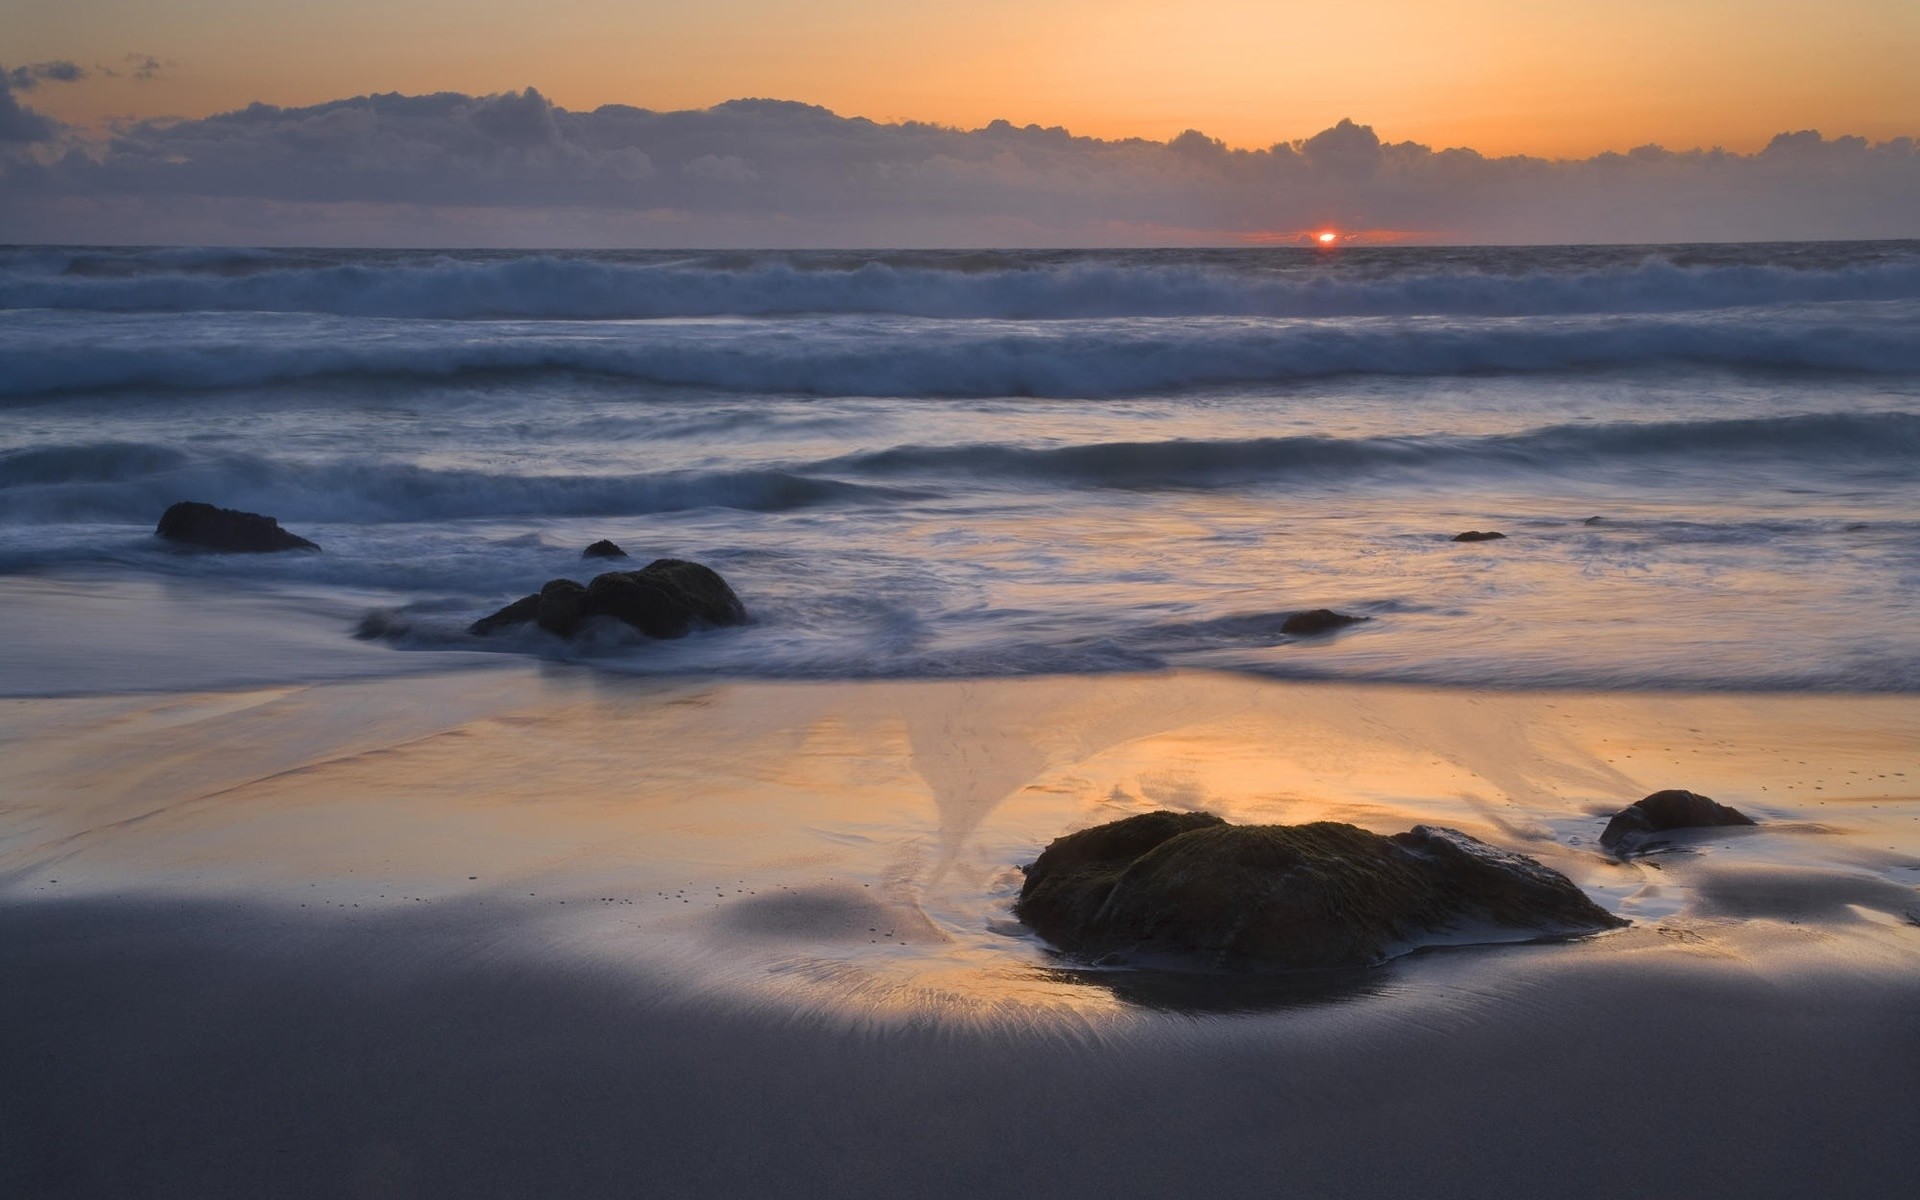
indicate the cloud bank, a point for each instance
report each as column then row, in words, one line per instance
column 514, row 169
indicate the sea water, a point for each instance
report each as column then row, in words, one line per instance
column 1705, row 459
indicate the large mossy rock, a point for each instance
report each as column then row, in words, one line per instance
column 664, row 599
column 191, row 523
column 1674, row 808
column 1188, row 889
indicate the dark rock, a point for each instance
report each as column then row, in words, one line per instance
column 641, row 601
column 192, row 523
column 664, row 599
column 1594, row 521
column 1189, row 889
column 1671, row 809
column 563, row 605
column 603, row 549
column 1318, row 620
column 1475, row 535
column 525, row 609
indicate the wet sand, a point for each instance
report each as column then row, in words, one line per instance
column 526, row 930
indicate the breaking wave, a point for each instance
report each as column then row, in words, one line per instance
column 1006, row 286
column 133, row 482
column 912, row 358
column 1890, row 438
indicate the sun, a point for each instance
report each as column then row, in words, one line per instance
column 1328, row 238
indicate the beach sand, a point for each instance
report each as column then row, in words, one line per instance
column 538, row 930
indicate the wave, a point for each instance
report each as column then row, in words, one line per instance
column 134, row 483
column 905, row 357
column 1891, row 438
column 572, row 287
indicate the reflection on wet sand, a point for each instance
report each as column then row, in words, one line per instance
column 860, row 843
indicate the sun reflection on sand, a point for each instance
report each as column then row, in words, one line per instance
column 853, row 848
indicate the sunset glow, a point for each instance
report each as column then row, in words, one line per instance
column 1502, row 76
column 1327, row 239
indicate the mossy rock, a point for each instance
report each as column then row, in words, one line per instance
column 1674, row 808
column 1191, row 890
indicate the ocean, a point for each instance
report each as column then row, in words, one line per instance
column 307, row 891
column 1705, row 460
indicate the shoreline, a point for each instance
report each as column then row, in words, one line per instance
column 543, row 930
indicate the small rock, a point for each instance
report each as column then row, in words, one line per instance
column 1594, row 521
column 603, row 549
column 664, row 599
column 1475, row 535
column 192, row 523
column 1318, row 620
column 1671, row 809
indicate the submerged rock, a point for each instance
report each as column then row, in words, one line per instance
column 664, row 599
column 603, row 549
column 1318, row 620
column 1190, row 889
column 192, row 523
column 1477, row 535
column 1672, row 809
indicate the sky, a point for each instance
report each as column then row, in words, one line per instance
column 115, row 119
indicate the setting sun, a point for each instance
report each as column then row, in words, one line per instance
column 1326, row 239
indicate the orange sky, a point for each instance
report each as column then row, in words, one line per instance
column 1503, row 76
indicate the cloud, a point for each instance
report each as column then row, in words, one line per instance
column 728, row 168
column 515, row 169
column 24, row 79
column 19, row 126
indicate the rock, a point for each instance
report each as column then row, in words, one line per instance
column 1318, row 620
column 1594, row 521
column 664, row 599
column 563, row 605
column 1189, row 889
column 1475, row 535
column 192, row 523
column 603, row 549
column 1671, row 809
column 525, row 609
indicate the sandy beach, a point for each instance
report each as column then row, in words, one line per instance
column 541, row 930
